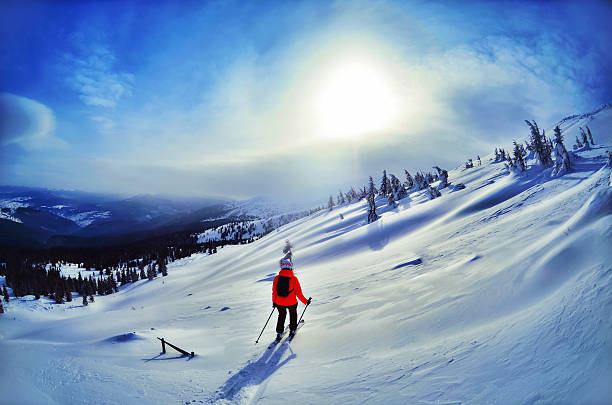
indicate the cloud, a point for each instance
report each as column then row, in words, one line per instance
column 94, row 78
column 27, row 123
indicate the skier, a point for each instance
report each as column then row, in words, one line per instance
column 285, row 292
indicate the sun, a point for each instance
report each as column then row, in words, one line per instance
column 354, row 98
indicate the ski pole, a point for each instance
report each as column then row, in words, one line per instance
column 257, row 341
column 304, row 311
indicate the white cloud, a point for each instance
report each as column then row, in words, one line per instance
column 27, row 123
column 95, row 79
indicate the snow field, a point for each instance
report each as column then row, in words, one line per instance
column 498, row 293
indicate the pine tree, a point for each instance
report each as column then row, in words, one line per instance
column 578, row 143
column 409, row 180
column 287, row 251
column 385, row 186
column 590, row 135
column 330, row 203
column 479, row 161
column 68, row 296
column 562, row 163
column 1, row 307
column 85, row 303
column 519, row 162
column 91, row 299
column 399, row 191
column 443, row 176
column 372, row 215
column 585, row 139
column 5, row 292
column 558, row 135
column 539, row 145
column 59, row 295
column 391, row 199
column 163, row 267
column 496, row 155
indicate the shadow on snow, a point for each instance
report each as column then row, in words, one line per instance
column 254, row 373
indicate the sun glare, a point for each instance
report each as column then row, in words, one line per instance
column 355, row 98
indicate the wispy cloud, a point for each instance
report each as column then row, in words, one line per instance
column 94, row 77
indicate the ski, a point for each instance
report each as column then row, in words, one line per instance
column 290, row 338
column 275, row 341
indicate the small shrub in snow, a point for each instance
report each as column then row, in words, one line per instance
column 433, row 193
column 443, row 176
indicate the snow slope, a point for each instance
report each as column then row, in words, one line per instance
column 498, row 293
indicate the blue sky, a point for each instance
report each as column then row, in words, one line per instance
column 237, row 98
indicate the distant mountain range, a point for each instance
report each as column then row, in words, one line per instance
column 37, row 217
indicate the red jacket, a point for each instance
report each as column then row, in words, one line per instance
column 294, row 285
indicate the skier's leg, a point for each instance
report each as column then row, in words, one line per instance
column 282, row 314
column 292, row 317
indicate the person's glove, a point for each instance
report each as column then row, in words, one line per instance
column 273, row 305
column 309, row 300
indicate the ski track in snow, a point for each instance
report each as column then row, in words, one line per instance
column 498, row 293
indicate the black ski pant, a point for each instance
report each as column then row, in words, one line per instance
column 282, row 314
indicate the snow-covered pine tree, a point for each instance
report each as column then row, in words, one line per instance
column 443, row 176
column 578, row 144
column 68, row 296
column 372, row 215
column 330, row 203
column 479, row 161
column 421, row 181
column 59, row 295
column 391, row 199
column 519, row 162
column 433, row 193
column 496, row 155
column 585, row 139
column 409, row 180
column 562, row 163
column 385, row 186
column 398, row 188
column 590, row 135
column 163, row 267
column 287, row 251
column 469, row 164
column 539, row 145
column 341, row 199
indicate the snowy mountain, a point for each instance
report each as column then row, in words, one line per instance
column 32, row 216
column 497, row 293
